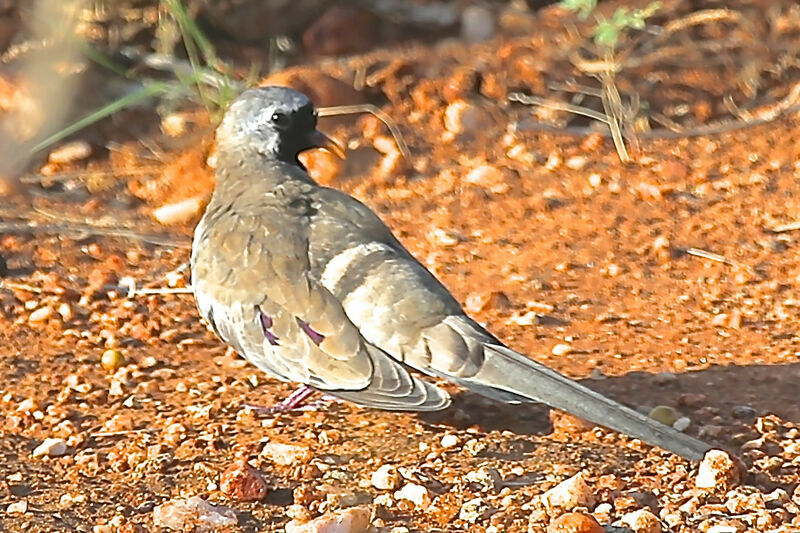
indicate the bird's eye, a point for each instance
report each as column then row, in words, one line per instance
column 280, row 120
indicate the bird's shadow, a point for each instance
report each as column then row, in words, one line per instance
column 705, row 396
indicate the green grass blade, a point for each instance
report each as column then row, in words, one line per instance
column 144, row 93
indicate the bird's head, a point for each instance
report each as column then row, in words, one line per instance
column 277, row 122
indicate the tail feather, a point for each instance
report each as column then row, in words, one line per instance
column 511, row 372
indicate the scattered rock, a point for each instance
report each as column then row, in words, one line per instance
column 194, row 514
column 416, row 494
column 744, row 412
column 20, row 507
column 561, row 349
column 3, row 266
column 474, row 510
column 641, row 521
column 41, row 314
column 285, row 454
column 682, row 424
column 112, row 360
column 664, row 414
column 569, row 494
column 352, row 520
column 574, row 523
column 51, row 447
column 385, row 478
column 70, row 152
column 719, row 471
column 489, row 177
column 478, row 301
column 243, row 482
column 665, row 378
column 462, row 117
column 179, row 212
column 449, row 441
column 488, row 478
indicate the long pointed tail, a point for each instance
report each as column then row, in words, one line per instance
column 509, row 371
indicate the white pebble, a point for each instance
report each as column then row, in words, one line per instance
column 51, row 448
column 561, row 349
column 20, row 507
column 718, row 470
column 640, row 521
column 385, row 478
column 576, row 162
column 285, row 454
column 569, row 494
column 473, row 510
column 352, row 520
column 683, row 423
column 178, row 212
column 70, row 152
column 488, row 478
column 464, row 117
column 449, row 441
column 194, row 514
column 416, row 494
column 41, row 314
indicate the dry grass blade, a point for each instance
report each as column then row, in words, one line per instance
column 82, row 231
column 338, row 110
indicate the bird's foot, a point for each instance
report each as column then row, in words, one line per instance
column 296, row 401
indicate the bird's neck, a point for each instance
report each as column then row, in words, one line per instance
column 244, row 172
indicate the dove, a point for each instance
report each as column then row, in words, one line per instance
column 310, row 286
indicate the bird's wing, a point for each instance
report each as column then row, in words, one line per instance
column 251, row 280
column 405, row 311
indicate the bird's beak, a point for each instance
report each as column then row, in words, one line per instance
column 321, row 140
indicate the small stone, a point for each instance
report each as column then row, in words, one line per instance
column 242, row 482
column 416, row 494
column 576, row 162
column 194, row 514
column 488, row 478
column 179, row 212
column 574, row 523
column 665, row 378
column 640, row 521
column 385, row 478
column 569, row 494
column 475, row 447
column 112, row 360
column 719, row 471
column 561, row 349
column 744, row 412
column 285, row 454
column 352, row 520
column 462, row 117
column 41, row 314
column 70, row 152
column 477, row 24
column 51, row 447
column 664, row 414
column 20, row 507
column 473, row 510
column 449, row 441
column 682, row 424
column 489, row 177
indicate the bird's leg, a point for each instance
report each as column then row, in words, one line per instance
column 295, row 401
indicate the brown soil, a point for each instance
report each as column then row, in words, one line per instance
column 554, row 242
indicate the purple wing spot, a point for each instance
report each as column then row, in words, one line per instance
column 315, row 336
column 266, row 326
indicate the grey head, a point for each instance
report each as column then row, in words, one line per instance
column 275, row 122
